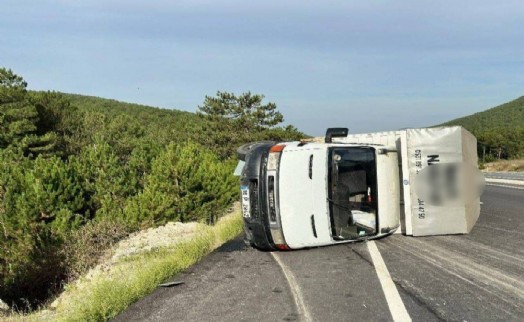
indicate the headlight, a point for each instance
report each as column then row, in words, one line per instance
column 274, row 157
column 272, row 161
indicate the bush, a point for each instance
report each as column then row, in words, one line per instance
column 39, row 201
column 85, row 248
column 186, row 183
column 104, row 178
column 32, row 267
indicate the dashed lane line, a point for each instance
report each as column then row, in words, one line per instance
column 295, row 289
column 396, row 306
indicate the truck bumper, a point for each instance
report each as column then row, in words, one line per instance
column 256, row 226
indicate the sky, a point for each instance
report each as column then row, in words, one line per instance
column 367, row 65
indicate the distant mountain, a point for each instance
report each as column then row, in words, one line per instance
column 499, row 130
column 509, row 115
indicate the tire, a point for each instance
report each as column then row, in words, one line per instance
column 245, row 149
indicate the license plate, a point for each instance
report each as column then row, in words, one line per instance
column 246, row 206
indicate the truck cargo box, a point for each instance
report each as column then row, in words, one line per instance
column 418, row 149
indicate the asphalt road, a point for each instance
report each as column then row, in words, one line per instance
column 475, row 277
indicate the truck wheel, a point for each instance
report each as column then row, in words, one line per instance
column 245, row 149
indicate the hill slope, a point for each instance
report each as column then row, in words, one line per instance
column 163, row 122
column 81, row 172
column 509, row 115
column 499, row 130
column 105, row 105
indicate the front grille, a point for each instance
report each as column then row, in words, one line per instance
column 253, row 197
column 271, row 199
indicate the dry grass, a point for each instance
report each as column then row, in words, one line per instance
column 505, row 165
column 107, row 295
column 85, row 247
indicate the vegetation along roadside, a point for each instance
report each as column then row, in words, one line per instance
column 81, row 173
column 110, row 290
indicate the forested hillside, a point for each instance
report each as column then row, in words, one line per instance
column 499, row 130
column 79, row 173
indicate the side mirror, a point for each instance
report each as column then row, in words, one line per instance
column 335, row 132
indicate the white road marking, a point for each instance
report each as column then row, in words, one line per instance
column 505, row 186
column 504, row 181
column 295, row 289
column 396, row 306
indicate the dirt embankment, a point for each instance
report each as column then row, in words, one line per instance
column 143, row 241
column 116, row 259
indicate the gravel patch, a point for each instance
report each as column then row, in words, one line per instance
column 146, row 240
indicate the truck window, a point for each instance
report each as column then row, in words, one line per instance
column 352, row 192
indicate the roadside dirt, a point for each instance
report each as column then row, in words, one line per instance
column 143, row 241
column 505, row 165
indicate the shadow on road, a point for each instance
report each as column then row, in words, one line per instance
column 235, row 245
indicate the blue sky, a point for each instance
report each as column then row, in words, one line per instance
column 367, row 65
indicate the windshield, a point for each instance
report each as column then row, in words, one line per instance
column 352, row 194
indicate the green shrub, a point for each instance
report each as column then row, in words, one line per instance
column 40, row 200
column 104, row 178
column 186, row 183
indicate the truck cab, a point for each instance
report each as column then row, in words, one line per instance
column 308, row 194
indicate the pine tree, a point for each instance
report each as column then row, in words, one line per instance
column 234, row 120
column 247, row 110
column 19, row 117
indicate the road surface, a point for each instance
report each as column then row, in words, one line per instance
column 505, row 175
column 475, row 277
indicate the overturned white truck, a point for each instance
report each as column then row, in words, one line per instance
column 360, row 186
